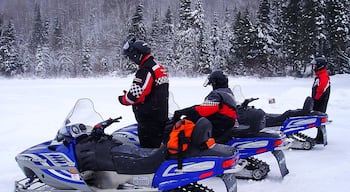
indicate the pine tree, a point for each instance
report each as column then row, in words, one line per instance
column 338, row 32
column 154, row 39
column 267, row 43
column 37, row 33
column 228, row 42
column 166, row 55
column 291, row 38
column 244, row 45
column 202, row 58
column 307, row 31
column 10, row 64
column 185, row 40
column 137, row 28
column 217, row 59
column 86, row 66
column 185, row 14
column 57, row 37
column 40, row 69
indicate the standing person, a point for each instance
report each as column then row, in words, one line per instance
column 320, row 90
column 148, row 94
column 321, row 87
column 219, row 107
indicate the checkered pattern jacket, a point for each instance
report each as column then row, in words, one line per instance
column 149, row 91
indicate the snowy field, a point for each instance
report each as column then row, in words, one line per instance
column 31, row 112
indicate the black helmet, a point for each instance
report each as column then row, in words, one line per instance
column 217, row 79
column 319, row 63
column 136, row 49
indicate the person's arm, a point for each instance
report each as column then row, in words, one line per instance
column 140, row 88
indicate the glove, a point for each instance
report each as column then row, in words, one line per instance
column 120, row 98
column 97, row 133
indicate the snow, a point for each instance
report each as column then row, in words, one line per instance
column 32, row 110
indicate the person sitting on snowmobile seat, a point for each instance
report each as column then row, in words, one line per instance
column 219, row 107
column 148, row 95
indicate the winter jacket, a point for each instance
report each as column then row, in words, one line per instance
column 220, row 108
column 149, row 91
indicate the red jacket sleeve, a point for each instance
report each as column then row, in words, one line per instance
column 140, row 88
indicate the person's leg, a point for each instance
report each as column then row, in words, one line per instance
column 150, row 134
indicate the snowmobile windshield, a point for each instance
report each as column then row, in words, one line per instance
column 80, row 120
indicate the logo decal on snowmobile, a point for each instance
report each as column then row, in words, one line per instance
column 249, row 144
column 299, row 122
column 188, row 167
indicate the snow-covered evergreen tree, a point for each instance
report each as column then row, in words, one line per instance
column 37, row 33
column 185, row 40
column 10, row 64
column 154, row 38
column 57, row 36
column 308, row 32
column 40, row 69
column 86, row 66
column 291, row 36
column 244, row 43
column 202, row 63
column 338, row 34
column 266, row 44
column 137, row 28
column 166, row 55
column 216, row 46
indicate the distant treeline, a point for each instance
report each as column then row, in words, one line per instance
column 84, row 38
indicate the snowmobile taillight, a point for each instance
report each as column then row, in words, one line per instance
column 278, row 142
column 228, row 163
column 262, row 150
column 324, row 120
column 311, row 125
column 206, row 174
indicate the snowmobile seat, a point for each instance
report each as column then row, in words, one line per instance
column 107, row 154
column 129, row 159
column 244, row 131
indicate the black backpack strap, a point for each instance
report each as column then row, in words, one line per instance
column 181, row 140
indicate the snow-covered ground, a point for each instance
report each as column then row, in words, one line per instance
column 31, row 111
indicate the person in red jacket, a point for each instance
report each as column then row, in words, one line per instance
column 321, row 87
column 320, row 90
column 148, row 94
column 219, row 107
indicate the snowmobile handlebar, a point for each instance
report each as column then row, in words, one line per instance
column 106, row 123
column 247, row 101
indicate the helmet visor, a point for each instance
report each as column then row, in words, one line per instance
column 206, row 82
column 313, row 62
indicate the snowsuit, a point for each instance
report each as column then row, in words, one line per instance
column 321, row 90
column 320, row 93
column 148, row 96
column 219, row 107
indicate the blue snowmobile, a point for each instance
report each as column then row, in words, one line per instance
column 292, row 123
column 80, row 158
column 248, row 139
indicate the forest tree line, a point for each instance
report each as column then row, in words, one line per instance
column 49, row 39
